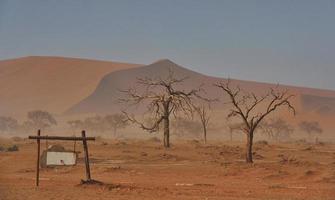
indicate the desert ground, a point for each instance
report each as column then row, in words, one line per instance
column 143, row 169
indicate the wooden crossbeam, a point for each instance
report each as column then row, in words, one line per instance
column 36, row 137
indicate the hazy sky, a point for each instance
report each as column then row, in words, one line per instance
column 285, row 41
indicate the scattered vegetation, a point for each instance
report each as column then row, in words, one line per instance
column 277, row 129
column 100, row 124
column 13, row 148
column 38, row 119
column 312, row 128
column 10, row 148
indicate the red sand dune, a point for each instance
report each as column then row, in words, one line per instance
column 49, row 83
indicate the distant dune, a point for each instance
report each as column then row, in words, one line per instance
column 50, row 83
column 104, row 99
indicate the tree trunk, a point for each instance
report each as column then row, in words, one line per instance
column 166, row 122
column 166, row 132
column 231, row 136
column 205, row 133
column 250, row 136
column 114, row 130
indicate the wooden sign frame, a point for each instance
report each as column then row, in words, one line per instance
column 83, row 138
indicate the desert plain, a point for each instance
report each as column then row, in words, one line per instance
column 144, row 169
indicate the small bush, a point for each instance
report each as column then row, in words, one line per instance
column 2, row 148
column 262, row 142
column 17, row 139
column 13, row 148
column 154, row 139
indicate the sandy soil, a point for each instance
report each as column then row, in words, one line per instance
column 133, row 169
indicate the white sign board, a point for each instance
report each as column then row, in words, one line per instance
column 61, row 158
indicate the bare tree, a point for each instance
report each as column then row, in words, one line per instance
column 8, row 124
column 75, row 124
column 162, row 99
column 203, row 114
column 244, row 106
column 311, row 128
column 95, row 123
column 276, row 129
column 182, row 127
column 235, row 127
column 39, row 119
column 115, row 122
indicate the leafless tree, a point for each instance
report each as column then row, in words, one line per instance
column 184, row 127
column 94, row 123
column 203, row 113
column 75, row 124
column 235, row 127
column 39, row 119
column 311, row 128
column 247, row 106
column 115, row 122
column 162, row 99
column 276, row 129
column 8, row 124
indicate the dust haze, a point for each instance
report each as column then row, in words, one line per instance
column 163, row 132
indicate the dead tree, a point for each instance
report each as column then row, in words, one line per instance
column 162, row 99
column 115, row 122
column 276, row 129
column 247, row 107
column 8, row 124
column 184, row 127
column 311, row 127
column 39, row 119
column 235, row 127
column 203, row 114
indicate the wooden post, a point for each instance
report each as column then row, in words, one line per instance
column 87, row 162
column 38, row 159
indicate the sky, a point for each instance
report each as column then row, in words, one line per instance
column 278, row 41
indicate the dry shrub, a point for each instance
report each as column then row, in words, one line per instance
column 310, row 148
column 165, row 156
column 230, row 150
column 278, row 174
column 104, row 143
column 301, row 141
column 294, row 160
column 17, row 139
column 154, row 139
column 309, row 173
column 330, row 178
column 13, row 148
column 194, row 142
column 262, row 142
column 120, row 143
column 112, row 169
column 257, row 156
